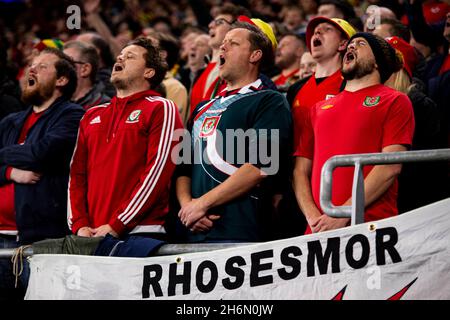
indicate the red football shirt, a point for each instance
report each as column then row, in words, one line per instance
column 364, row 121
column 207, row 86
column 311, row 93
column 281, row 79
column 7, row 211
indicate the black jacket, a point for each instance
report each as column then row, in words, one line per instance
column 41, row 209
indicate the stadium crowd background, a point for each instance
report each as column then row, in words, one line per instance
column 29, row 26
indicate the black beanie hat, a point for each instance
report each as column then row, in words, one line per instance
column 385, row 56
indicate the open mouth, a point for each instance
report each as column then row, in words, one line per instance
column 31, row 82
column 221, row 60
column 349, row 57
column 317, row 42
column 118, row 67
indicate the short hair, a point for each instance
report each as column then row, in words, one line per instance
column 258, row 41
column 169, row 44
column 64, row 68
column 88, row 54
column 397, row 28
column 233, row 10
column 105, row 51
column 153, row 60
column 298, row 36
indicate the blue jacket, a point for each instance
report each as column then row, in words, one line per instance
column 41, row 209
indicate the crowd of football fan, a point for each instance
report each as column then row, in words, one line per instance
column 90, row 116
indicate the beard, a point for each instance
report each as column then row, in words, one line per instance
column 121, row 83
column 358, row 70
column 39, row 93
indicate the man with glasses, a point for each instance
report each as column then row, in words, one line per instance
column 208, row 83
column 367, row 117
column 89, row 93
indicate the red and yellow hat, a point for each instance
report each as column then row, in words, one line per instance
column 264, row 27
column 341, row 24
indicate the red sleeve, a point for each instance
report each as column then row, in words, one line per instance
column 77, row 207
column 399, row 123
column 158, row 171
column 8, row 173
column 305, row 145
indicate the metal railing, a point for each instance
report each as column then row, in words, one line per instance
column 356, row 210
column 164, row 250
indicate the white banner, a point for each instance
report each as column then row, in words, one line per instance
column 406, row 257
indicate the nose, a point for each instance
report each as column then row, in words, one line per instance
column 32, row 68
column 351, row 46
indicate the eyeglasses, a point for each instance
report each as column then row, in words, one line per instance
column 220, row 21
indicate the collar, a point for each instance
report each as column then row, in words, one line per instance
column 136, row 96
column 254, row 86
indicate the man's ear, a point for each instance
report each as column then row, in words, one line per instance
column 62, row 81
column 149, row 73
column 86, row 70
column 256, row 56
column 342, row 45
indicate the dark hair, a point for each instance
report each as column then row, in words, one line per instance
column 300, row 37
column 64, row 68
column 169, row 44
column 258, row 41
column 153, row 60
column 234, row 10
column 397, row 28
column 105, row 51
column 88, row 54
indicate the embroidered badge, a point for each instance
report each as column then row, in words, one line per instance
column 371, row 101
column 209, row 125
column 134, row 116
column 328, row 106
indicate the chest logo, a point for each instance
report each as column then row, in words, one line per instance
column 329, row 96
column 134, row 116
column 209, row 125
column 371, row 101
column 328, row 106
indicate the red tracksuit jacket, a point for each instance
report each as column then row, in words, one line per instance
column 121, row 167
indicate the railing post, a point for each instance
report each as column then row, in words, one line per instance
column 358, row 201
column 356, row 210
